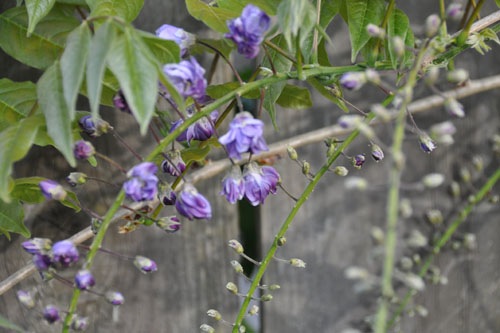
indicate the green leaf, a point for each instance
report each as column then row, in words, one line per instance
column 295, row 97
column 37, row 9
column 12, row 218
column 15, row 142
column 195, row 154
column 281, row 64
column 398, row 25
column 27, row 190
column 5, row 323
column 165, row 51
column 213, row 17
column 17, row 100
column 218, row 90
column 98, row 51
column 71, row 201
column 269, row 6
column 294, row 16
column 74, row 2
column 127, row 10
column 46, row 42
column 330, row 93
column 497, row 2
column 73, row 63
column 57, row 115
column 360, row 13
column 131, row 62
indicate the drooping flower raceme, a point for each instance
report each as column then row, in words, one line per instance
column 259, row 182
column 178, row 35
column 247, row 31
column 244, row 135
column 188, row 78
column 143, row 183
column 233, row 187
column 191, row 204
column 201, row 130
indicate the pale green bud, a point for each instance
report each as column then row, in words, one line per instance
column 306, row 168
column 292, row 153
column 207, row 328
column 281, row 241
column 432, row 24
column 236, row 246
column 237, row 266
column 266, row 298
column 274, row 287
column 232, row 287
column 341, row 171
column 214, row 314
column 299, row 263
column 433, row 180
column 434, row 216
column 457, row 76
column 253, row 310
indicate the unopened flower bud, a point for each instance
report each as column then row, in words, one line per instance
column 455, row 11
column 51, row 314
column 470, row 241
column 349, row 121
column 377, row 153
column 214, row 314
column 455, row 189
column 274, row 287
column 169, row 224
column 237, row 266
column 166, row 195
column 454, row 108
column 174, row 164
column 299, row 263
column 398, row 46
column 84, row 279
column 120, row 102
column 281, row 241
column 266, row 298
column 114, row 298
column 52, row 190
column 341, row 171
column 236, row 246
column 253, row 310
column 375, row 31
column 37, row 246
column 242, row 329
column 434, row 216
column 412, row 281
column 465, row 175
column 432, row 75
column 457, row 76
column 79, row 323
column 372, row 76
column 426, row 143
column 145, row 265
column 76, row 178
column 381, row 112
column 378, row 235
column 358, row 161
column 306, row 168
column 353, row 80
column 207, row 328
column 292, row 153
column 432, row 24
column 355, row 183
column 416, row 239
column 441, row 129
column 406, row 263
column 433, row 180
column 65, row 252
column 92, row 128
column 356, row 273
column 478, row 163
column 83, row 150
column 405, row 208
column 421, row 311
column 95, row 224
column 26, row 298
column 232, row 287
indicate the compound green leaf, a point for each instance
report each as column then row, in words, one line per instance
column 269, row 6
column 295, row 16
column 58, row 118
column 398, row 25
column 218, row 90
column 295, row 97
column 165, row 51
column 127, row 10
column 12, row 218
column 37, row 10
column 45, row 44
column 27, row 190
column 213, row 17
column 17, row 101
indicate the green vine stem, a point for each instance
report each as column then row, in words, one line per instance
column 284, row 227
column 393, row 194
column 462, row 38
column 461, row 217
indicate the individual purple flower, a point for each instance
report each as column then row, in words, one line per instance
column 92, row 128
column 353, row 80
column 259, row 182
column 377, row 153
column 201, row 130
column 173, row 164
column 233, row 187
column 143, row 184
column 244, row 135
column 167, row 196
column 169, row 224
column 84, row 279
column 178, row 35
column 26, row 298
column 37, row 245
column 454, row 108
column 79, row 323
column 51, row 314
column 455, row 11
column 188, row 78
column 120, row 102
column 115, row 298
column 76, row 178
column 192, row 204
column 247, row 31
column 42, row 262
column 65, row 252
column 358, row 161
column 83, row 150
column 426, row 143
column 52, row 190
column 145, row 265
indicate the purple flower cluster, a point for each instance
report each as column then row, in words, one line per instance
column 178, row 35
column 188, row 78
column 62, row 253
column 192, row 204
column 143, row 183
column 244, row 135
column 247, row 31
column 201, row 130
